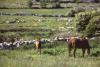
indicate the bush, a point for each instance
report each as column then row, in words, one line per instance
column 30, row 3
column 43, row 3
column 93, row 26
column 27, row 47
column 77, row 1
column 8, row 37
column 87, row 21
column 95, row 43
column 75, row 11
column 71, row 14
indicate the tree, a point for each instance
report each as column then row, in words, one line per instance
column 83, row 20
column 92, row 28
column 88, row 22
column 43, row 3
column 77, row 1
column 96, row 1
column 37, row 0
column 57, row 5
column 30, row 3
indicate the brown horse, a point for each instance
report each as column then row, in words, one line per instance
column 74, row 43
column 38, row 45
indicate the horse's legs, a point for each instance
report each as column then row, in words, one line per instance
column 40, row 50
column 83, row 50
column 88, row 51
column 37, row 50
column 69, row 50
column 74, row 52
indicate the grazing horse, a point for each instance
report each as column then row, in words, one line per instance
column 38, row 45
column 82, row 43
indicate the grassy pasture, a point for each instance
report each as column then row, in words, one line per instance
column 31, row 25
column 14, row 3
column 37, row 11
column 24, row 4
column 56, row 56
column 31, row 21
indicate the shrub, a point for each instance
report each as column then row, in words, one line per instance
column 75, row 11
column 95, row 43
column 93, row 26
column 30, row 3
column 77, row 1
column 87, row 22
column 9, row 37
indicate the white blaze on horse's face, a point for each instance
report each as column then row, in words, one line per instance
column 37, row 42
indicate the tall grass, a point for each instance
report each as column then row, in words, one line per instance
column 56, row 56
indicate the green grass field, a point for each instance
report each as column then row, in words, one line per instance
column 29, row 27
column 50, row 57
column 33, row 24
column 37, row 11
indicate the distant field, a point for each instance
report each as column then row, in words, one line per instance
column 37, row 11
column 33, row 24
column 33, row 21
column 24, row 4
column 30, row 21
column 14, row 3
column 53, row 24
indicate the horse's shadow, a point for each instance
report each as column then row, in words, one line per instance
column 95, row 54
